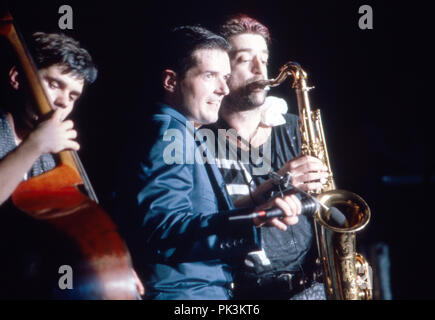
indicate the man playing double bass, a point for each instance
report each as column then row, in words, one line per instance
column 27, row 143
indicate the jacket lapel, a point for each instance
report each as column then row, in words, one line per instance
column 213, row 172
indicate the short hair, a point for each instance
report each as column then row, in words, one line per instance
column 49, row 49
column 183, row 41
column 241, row 23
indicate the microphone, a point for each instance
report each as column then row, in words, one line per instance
column 309, row 207
column 310, row 204
column 337, row 216
column 265, row 214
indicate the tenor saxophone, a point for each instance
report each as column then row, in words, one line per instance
column 345, row 273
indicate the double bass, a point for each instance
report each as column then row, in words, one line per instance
column 84, row 236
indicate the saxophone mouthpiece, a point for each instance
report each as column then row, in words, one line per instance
column 260, row 84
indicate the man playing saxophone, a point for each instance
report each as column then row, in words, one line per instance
column 285, row 268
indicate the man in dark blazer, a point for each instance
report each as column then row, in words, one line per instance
column 175, row 209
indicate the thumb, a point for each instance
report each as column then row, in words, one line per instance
column 57, row 115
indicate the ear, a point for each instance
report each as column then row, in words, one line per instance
column 14, row 78
column 169, row 78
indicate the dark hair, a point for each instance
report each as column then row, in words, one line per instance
column 183, row 41
column 48, row 49
column 241, row 23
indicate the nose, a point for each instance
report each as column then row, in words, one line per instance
column 258, row 67
column 222, row 87
column 61, row 100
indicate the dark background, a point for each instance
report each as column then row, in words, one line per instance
column 368, row 84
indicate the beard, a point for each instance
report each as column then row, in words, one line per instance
column 245, row 97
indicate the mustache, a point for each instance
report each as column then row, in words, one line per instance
column 255, row 79
column 255, row 83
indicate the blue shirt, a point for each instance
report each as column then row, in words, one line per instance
column 175, row 211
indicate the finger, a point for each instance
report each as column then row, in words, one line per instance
column 309, row 167
column 70, row 144
column 64, row 113
column 293, row 204
column 298, row 161
column 307, row 162
column 289, row 221
column 71, row 134
column 57, row 115
column 310, row 176
column 283, row 205
column 275, row 222
column 310, row 186
column 68, row 124
column 297, row 203
column 301, row 160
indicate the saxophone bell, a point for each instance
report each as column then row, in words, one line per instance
column 346, row 274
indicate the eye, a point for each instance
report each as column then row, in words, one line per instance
column 53, row 84
column 209, row 75
column 264, row 60
column 243, row 59
column 73, row 97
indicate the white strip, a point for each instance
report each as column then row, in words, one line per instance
column 227, row 164
column 247, row 175
column 257, row 256
column 237, row 189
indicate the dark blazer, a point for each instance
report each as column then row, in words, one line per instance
column 175, row 211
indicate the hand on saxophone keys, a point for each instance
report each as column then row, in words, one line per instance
column 307, row 173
